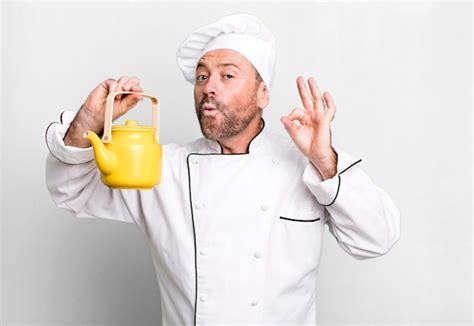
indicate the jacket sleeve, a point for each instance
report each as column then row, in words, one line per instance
column 74, row 183
column 360, row 215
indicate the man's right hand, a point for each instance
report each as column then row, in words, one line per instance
column 92, row 113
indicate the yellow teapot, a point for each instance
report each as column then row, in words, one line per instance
column 128, row 156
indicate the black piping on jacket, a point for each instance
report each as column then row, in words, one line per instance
column 46, row 139
column 339, row 182
column 191, row 205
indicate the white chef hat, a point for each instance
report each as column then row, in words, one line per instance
column 243, row 33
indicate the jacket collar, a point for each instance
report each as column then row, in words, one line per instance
column 213, row 146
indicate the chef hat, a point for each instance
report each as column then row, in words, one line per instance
column 243, row 33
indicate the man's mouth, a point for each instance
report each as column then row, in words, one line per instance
column 209, row 110
column 208, row 107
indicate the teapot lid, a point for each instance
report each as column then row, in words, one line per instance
column 132, row 125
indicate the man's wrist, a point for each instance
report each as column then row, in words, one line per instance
column 74, row 136
column 82, row 122
column 327, row 168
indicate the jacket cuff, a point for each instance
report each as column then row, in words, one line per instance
column 326, row 191
column 54, row 135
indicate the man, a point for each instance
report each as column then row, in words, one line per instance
column 236, row 225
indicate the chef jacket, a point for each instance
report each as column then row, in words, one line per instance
column 234, row 238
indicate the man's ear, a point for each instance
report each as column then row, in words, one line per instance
column 263, row 96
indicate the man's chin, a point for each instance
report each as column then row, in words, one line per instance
column 209, row 128
column 210, row 133
column 209, row 136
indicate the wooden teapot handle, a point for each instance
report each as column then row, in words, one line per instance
column 109, row 109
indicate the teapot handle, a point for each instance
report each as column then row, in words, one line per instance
column 109, row 109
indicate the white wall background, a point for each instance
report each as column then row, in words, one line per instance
column 400, row 74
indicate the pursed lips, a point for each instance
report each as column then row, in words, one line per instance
column 209, row 110
column 208, row 107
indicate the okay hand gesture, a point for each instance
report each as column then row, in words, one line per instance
column 310, row 128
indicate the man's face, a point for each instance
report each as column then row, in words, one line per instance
column 225, row 94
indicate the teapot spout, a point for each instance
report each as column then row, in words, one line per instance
column 105, row 159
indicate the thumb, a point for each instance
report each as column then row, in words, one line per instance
column 290, row 127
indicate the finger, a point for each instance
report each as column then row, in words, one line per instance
column 109, row 85
column 296, row 114
column 128, row 86
column 137, row 88
column 290, row 127
column 130, row 83
column 331, row 111
column 132, row 99
column 122, row 81
column 317, row 97
column 304, row 95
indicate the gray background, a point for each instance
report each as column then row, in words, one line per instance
column 400, row 74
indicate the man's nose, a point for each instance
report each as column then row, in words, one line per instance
column 211, row 86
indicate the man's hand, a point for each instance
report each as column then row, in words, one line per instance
column 91, row 116
column 311, row 131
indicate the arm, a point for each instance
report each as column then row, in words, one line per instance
column 72, row 178
column 360, row 215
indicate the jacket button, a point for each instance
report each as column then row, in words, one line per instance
column 203, row 252
column 264, row 207
column 195, row 160
column 197, row 205
column 254, row 302
column 275, row 161
column 257, row 254
column 203, row 298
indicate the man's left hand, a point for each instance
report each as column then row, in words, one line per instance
column 311, row 131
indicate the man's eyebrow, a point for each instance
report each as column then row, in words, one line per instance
column 202, row 64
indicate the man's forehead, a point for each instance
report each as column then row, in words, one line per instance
column 223, row 57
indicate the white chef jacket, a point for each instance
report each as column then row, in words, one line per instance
column 234, row 238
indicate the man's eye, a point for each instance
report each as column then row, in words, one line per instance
column 229, row 76
column 201, row 77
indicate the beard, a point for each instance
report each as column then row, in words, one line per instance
column 228, row 121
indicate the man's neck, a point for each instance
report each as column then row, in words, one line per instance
column 239, row 144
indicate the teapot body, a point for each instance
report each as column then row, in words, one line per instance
column 139, row 160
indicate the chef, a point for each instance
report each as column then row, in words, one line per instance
column 236, row 225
